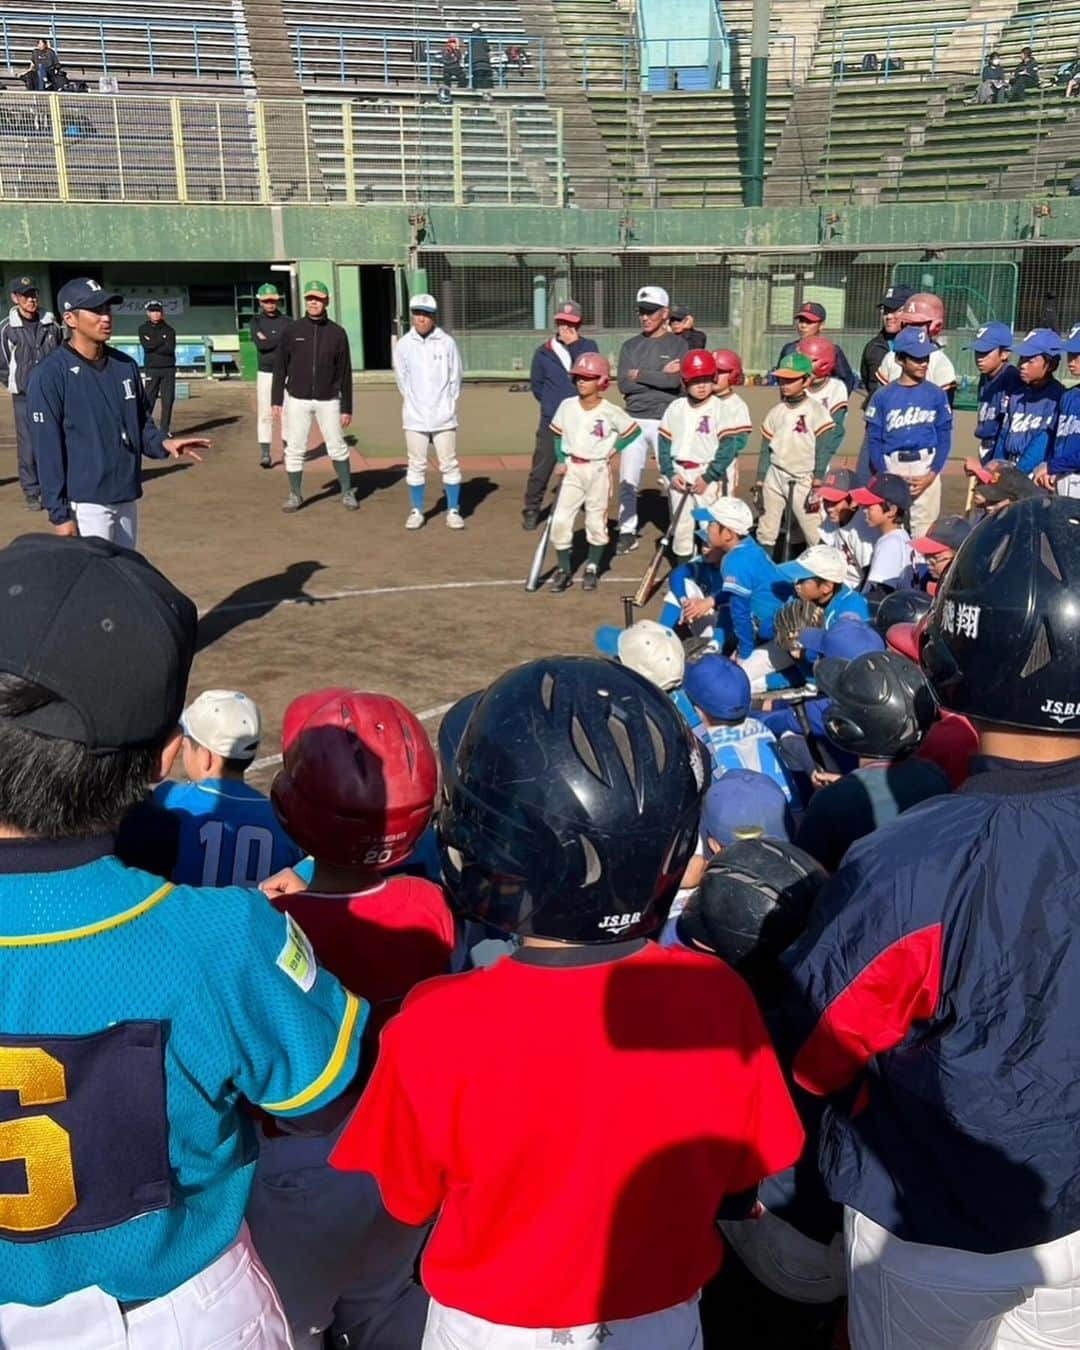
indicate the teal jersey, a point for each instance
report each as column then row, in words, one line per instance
column 229, row 834
column 138, row 1018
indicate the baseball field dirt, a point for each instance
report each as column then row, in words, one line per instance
column 326, row 596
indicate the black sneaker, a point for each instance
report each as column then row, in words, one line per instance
column 530, row 519
column 589, row 580
column 626, row 543
column 34, row 504
column 560, row 581
column 264, row 460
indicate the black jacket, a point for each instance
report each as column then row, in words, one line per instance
column 313, row 361
column 158, row 341
column 266, row 333
column 695, row 339
column 874, row 353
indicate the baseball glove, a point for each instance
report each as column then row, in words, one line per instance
column 792, row 618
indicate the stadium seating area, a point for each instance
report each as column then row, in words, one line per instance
column 840, row 126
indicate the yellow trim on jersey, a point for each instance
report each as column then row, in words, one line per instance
column 91, row 929
column 334, row 1064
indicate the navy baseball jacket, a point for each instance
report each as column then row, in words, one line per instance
column 940, row 974
column 90, row 426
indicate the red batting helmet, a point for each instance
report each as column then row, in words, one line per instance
column 729, row 362
column 358, row 778
column 698, row 365
column 823, row 354
column 925, row 308
column 594, row 366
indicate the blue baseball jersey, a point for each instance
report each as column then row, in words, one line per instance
column 906, row 425
column 994, row 395
column 229, row 835
column 846, row 604
column 756, row 588
column 138, row 1019
column 750, row 745
column 1066, row 454
column 690, row 581
column 1027, row 439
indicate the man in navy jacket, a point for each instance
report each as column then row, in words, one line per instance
column 550, row 382
column 91, row 424
column 935, row 995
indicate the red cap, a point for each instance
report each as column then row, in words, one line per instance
column 569, row 312
column 812, row 311
column 928, row 546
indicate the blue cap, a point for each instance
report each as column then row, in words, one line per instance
column 743, row 804
column 85, row 293
column 607, row 640
column 990, row 337
column 1039, row 342
column 1072, row 341
column 844, row 640
column 913, row 341
column 896, row 297
column 719, row 687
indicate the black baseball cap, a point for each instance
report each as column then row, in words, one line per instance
column 105, row 632
column 85, row 293
column 154, row 304
column 886, row 487
column 896, row 297
column 679, row 312
column 24, row 286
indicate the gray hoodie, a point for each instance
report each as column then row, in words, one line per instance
column 653, row 391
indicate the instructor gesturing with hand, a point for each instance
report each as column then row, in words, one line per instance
column 91, row 424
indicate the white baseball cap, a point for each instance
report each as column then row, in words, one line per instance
column 653, row 651
column 820, row 561
column 423, row 304
column 729, row 511
column 225, row 722
column 653, row 295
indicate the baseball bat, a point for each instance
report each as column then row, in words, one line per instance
column 532, row 581
column 789, row 516
column 643, row 594
column 628, row 611
column 969, row 501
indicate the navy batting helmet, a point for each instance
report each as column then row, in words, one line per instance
column 881, row 704
column 571, row 802
column 1003, row 639
column 901, row 607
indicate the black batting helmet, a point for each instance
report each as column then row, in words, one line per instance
column 901, row 607
column 881, row 704
column 753, row 901
column 571, row 802
column 1003, row 639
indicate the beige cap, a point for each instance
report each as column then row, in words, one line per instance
column 225, row 722
column 653, row 651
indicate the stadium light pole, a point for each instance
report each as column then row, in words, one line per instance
column 759, row 78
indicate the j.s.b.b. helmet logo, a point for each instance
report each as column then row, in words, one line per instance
column 618, row 923
column 1060, row 712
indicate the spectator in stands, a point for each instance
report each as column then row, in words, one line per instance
column 26, row 337
column 1025, row 76
column 809, row 322
column 517, row 58
column 44, row 63
column 480, row 75
column 993, row 82
column 550, row 382
column 453, row 66
column 682, row 322
column 879, row 346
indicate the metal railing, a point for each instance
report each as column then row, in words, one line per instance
column 203, row 47
column 907, row 43
column 97, row 148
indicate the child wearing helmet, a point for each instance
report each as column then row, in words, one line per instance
column 826, row 388
column 357, row 789
column 699, row 438
column 621, row 1090
column 924, row 311
column 589, row 432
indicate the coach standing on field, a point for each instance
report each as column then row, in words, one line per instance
column 427, row 367
column 550, row 382
column 314, row 367
column 158, row 341
column 267, row 329
column 91, row 425
column 649, row 382
column 26, row 338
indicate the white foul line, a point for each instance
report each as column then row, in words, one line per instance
column 428, row 715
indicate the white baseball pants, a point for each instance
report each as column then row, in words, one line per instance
column 1068, row 485
column 785, row 1260
column 445, row 444
column 298, row 417
column 677, row 1328
column 682, row 541
column 335, row 1255
column 911, row 1296
column 587, row 485
column 118, row 523
column 631, row 467
column 230, row 1303
column 925, row 508
column 264, row 384
column 762, row 662
column 775, row 493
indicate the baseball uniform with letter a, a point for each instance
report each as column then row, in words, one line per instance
column 585, row 440
column 791, row 455
column 702, row 440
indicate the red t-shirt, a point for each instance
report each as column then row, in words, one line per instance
column 378, row 943
column 579, row 1127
